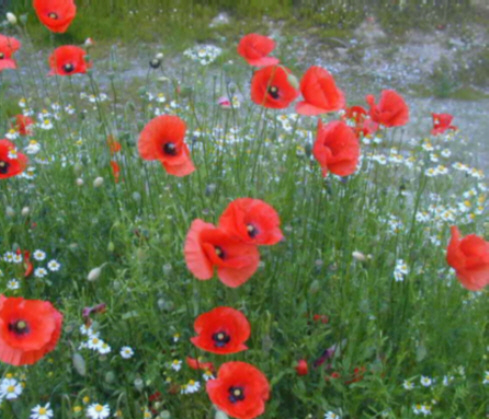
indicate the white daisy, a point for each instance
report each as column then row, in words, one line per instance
column 95, row 343
column 10, row 389
column 40, row 412
column 176, row 365
column 17, row 258
column 425, row 381
column 39, row 255
column 13, row 284
column 208, row 375
column 98, row 411
column 408, row 385
column 486, row 378
column 104, row 349
column 54, row 265
column 40, row 272
column 331, row 415
column 8, row 256
column 126, row 352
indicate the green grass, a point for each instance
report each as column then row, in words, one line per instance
column 425, row 325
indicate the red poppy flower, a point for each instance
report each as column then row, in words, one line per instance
column 272, row 87
column 240, row 390
column 116, row 170
column 441, row 123
column 114, row 145
column 197, row 364
column 469, row 256
column 337, row 148
column 22, row 123
column 12, row 163
column 302, row 368
column 222, row 330
column 29, row 329
column 320, row 93
column 355, row 113
column 28, row 266
column 162, row 139
column 252, row 221
column 8, row 46
column 68, row 60
column 207, row 247
column 391, row 111
column 56, row 15
column 254, row 49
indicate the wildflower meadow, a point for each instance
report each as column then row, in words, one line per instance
column 207, row 246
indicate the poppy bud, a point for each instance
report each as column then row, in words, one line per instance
column 293, row 81
column 359, row 256
column 155, row 63
column 315, row 287
column 79, row 364
column 9, row 211
column 79, row 181
column 111, row 247
column 25, row 211
column 23, row 18
column 94, row 274
column 139, row 384
column 221, row 415
column 98, row 182
column 159, row 56
column 302, row 367
column 110, row 377
column 167, row 268
column 11, row 18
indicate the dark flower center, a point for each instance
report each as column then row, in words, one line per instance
column 170, row 148
column 2, row 55
column 219, row 252
column 273, row 92
column 236, row 394
column 4, row 167
column 53, row 15
column 252, row 230
column 19, row 327
column 221, row 339
column 68, row 67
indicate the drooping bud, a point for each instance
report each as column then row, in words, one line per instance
column 98, row 182
column 94, row 274
column 359, row 256
column 25, row 211
column 11, row 18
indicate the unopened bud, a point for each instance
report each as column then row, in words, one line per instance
column 359, row 256
column 94, row 274
column 25, row 211
column 11, row 18
column 88, row 43
column 139, row 384
column 293, row 80
column 159, row 56
column 98, row 182
column 79, row 181
column 220, row 415
column 9, row 211
column 165, row 414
